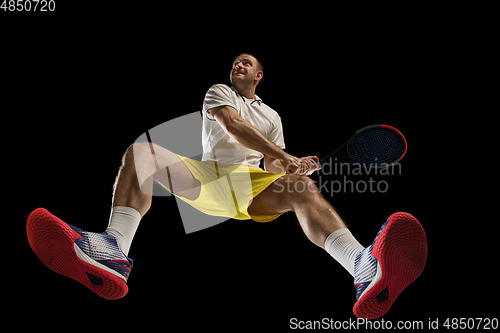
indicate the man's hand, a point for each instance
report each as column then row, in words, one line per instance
column 303, row 166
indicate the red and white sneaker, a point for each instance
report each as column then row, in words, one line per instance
column 383, row 270
column 93, row 259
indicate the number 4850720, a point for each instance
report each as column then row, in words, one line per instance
column 471, row 323
column 28, row 5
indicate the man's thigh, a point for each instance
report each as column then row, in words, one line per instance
column 275, row 199
column 174, row 175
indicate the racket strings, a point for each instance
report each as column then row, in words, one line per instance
column 376, row 146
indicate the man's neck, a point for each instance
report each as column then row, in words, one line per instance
column 247, row 92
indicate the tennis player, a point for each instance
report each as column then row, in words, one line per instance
column 239, row 130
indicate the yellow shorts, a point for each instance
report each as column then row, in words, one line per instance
column 227, row 190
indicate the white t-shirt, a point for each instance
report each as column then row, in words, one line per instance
column 221, row 147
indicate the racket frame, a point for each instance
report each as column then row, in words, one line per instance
column 383, row 165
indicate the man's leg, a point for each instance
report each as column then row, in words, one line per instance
column 319, row 220
column 299, row 194
column 381, row 271
column 100, row 260
column 142, row 164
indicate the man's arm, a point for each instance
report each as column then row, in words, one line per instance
column 273, row 165
column 248, row 136
column 245, row 133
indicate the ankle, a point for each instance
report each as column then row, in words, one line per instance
column 123, row 224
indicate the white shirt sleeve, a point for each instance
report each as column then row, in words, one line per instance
column 276, row 135
column 218, row 95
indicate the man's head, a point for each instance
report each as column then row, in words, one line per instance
column 247, row 70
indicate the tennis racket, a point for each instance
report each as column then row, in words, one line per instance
column 377, row 145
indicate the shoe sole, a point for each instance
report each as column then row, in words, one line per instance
column 401, row 251
column 53, row 241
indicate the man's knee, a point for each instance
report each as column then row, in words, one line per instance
column 305, row 185
column 140, row 153
column 138, row 159
column 139, row 149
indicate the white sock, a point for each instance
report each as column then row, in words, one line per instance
column 123, row 224
column 342, row 246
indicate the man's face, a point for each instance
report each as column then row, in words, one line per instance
column 245, row 70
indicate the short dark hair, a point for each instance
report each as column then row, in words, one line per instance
column 259, row 64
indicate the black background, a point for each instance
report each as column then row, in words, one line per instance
column 82, row 86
